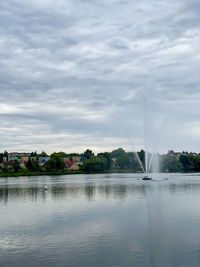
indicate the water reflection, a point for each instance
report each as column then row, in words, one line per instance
column 99, row 221
column 12, row 193
column 88, row 190
column 91, row 190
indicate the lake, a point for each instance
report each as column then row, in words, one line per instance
column 100, row 220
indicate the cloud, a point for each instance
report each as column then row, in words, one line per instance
column 74, row 74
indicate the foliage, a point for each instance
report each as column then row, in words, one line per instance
column 118, row 153
column 60, row 155
column 170, row 164
column 32, row 165
column 141, row 155
column 123, row 161
column 118, row 160
column 190, row 162
column 134, row 164
column 95, row 164
column 56, row 162
column 88, row 154
column 107, row 156
column 43, row 154
column 33, row 154
column 1, row 157
column 15, row 165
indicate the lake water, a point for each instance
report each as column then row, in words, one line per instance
column 100, row 220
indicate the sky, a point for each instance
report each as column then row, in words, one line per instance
column 99, row 74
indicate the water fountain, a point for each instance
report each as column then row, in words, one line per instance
column 149, row 163
column 152, row 129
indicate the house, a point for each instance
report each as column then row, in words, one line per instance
column 5, row 159
column 43, row 160
column 68, row 163
column 74, row 167
column 14, row 156
column 24, row 159
column 71, row 165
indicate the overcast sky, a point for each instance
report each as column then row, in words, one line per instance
column 79, row 74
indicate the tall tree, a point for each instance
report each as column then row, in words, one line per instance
column 118, row 153
column 95, row 164
column 55, row 162
column 88, row 154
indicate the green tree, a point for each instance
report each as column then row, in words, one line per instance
column 32, row 165
column 187, row 162
column 1, row 157
column 134, row 163
column 123, row 162
column 15, row 165
column 107, row 156
column 196, row 162
column 170, row 163
column 95, row 164
column 118, row 153
column 55, row 162
column 141, row 155
column 33, row 154
column 29, row 164
column 43, row 154
column 60, row 154
column 88, row 154
column 5, row 155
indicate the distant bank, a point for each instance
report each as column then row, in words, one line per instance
column 19, row 174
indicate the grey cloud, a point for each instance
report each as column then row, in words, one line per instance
column 118, row 43
column 76, row 73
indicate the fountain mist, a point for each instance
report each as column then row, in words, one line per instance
column 152, row 130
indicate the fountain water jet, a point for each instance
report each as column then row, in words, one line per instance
column 152, row 129
column 152, row 132
column 138, row 158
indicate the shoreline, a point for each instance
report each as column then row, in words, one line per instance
column 30, row 174
column 59, row 173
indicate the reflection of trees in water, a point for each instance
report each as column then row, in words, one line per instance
column 10, row 193
column 116, row 191
column 88, row 190
column 4, row 194
column 184, row 187
column 179, row 187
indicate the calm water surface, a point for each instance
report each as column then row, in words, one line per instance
column 100, row 220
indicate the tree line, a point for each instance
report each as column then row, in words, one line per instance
column 117, row 160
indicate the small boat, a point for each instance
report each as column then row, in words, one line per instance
column 147, row 178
